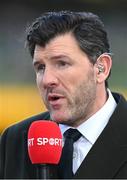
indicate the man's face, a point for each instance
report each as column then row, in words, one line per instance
column 66, row 80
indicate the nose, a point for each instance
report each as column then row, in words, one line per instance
column 49, row 78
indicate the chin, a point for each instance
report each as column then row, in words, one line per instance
column 59, row 118
column 62, row 120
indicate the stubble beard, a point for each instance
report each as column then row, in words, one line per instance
column 80, row 106
column 83, row 104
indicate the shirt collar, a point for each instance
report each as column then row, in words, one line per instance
column 93, row 127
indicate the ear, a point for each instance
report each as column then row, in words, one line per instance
column 103, row 67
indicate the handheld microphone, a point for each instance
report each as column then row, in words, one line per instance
column 44, row 146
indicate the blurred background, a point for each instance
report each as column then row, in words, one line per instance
column 19, row 97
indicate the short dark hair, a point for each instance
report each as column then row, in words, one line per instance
column 86, row 27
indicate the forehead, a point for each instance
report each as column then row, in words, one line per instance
column 65, row 44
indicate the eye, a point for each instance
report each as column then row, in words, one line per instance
column 62, row 64
column 40, row 67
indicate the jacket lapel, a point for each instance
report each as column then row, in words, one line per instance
column 109, row 152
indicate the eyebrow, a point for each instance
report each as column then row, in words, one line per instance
column 58, row 57
column 55, row 57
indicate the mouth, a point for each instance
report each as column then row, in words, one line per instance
column 54, row 98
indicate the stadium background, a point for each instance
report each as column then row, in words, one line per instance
column 19, row 97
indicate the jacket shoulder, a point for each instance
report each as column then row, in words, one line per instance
column 24, row 124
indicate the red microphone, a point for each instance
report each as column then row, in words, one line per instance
column 44, row 146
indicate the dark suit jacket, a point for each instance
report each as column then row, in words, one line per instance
column 106, row 159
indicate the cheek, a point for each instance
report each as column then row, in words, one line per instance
column 41, row 89
column 39, row 81
column 70, row 79
column 40, row 86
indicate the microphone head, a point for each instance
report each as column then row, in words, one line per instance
column 44, row 142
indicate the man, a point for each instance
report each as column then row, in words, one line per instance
column 72, row 61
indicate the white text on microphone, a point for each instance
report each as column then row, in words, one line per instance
column 44, row 141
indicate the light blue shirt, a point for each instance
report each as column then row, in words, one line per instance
column 91, row 129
